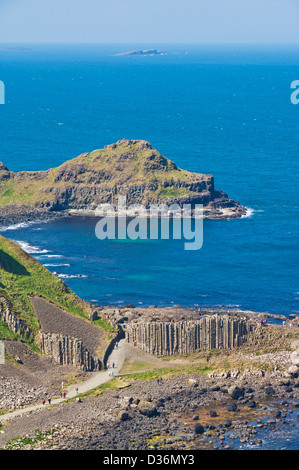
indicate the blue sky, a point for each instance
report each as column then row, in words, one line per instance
column 149, row 21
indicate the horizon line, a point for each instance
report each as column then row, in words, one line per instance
column 147, row 42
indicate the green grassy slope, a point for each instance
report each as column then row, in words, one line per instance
column 22, row 276
column 127, row 163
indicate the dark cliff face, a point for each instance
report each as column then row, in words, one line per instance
column 130, row 168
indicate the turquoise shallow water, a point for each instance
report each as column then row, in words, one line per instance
column 224, row 111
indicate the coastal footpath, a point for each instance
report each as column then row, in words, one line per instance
column 185, row 378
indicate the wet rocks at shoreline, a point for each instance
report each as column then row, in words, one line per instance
column 174, row 414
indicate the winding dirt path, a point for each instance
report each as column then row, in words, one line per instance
column 117, row 357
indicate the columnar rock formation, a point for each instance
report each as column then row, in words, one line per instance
column 16, row 325
column 68, row 350
column 169, row 338
column 64, row 349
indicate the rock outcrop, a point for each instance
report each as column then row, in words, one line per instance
column 16, row 325
column 130, row 168
column 68, row 351
column 170, row 338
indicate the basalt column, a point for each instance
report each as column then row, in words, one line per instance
column 169, row 338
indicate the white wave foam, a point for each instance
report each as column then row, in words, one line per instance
column 52, row 256
column 56, row 265
column 71, row 276
column 15, row 226
column 249, row 213
column 22, row 225
column 33, row 250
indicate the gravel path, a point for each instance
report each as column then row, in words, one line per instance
column 97, row 378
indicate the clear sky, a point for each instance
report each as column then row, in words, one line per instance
column 149, row 21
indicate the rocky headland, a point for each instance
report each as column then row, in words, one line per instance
column 130, row 168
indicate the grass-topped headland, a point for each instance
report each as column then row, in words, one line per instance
column 23, row 278
column 131, row 168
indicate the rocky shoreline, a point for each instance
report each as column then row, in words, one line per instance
column 22, row 214
column 190, row 412
column 129, row 168
column 15, row 214
column 253, row 402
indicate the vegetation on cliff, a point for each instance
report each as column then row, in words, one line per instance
column 129, row 167
column 23, row 277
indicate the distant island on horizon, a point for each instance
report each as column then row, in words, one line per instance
column 147, row 52
column 14, row 48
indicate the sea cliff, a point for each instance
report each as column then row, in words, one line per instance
column 130, row 168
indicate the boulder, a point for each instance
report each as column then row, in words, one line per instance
column 269, row 391
column 236, row 392
column 148, row 410
column 193, row 382
column 198, row 429
column 123, row 416
column 293, row 370
column 227, row 423
column 251, row 404
column 135, row 401
column 232, row 407
column 294, row 357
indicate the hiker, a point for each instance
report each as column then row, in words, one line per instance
column 113, row 364
column 44, row 401
column 77, row 390
column 64, row 394
column 49, row 400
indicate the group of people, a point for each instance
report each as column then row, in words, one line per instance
column 113, row 365
column 111, row 374
column 49, row 401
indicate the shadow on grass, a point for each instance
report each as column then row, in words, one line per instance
column 11, row 265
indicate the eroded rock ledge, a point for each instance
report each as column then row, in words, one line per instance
column 130, row 168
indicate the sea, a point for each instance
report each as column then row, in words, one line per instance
column 225, row 110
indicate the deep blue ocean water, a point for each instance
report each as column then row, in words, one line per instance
column 220, row 110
